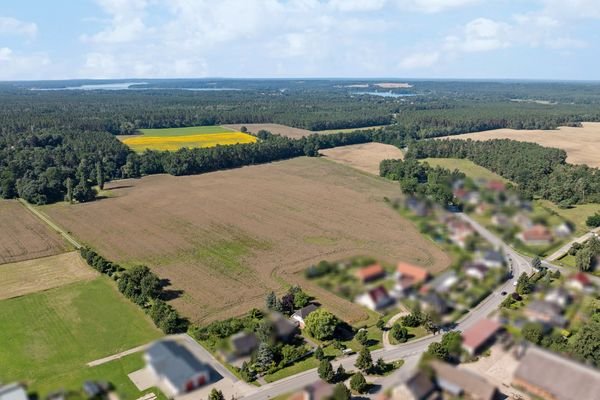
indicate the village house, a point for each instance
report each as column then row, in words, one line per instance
column 460, row 231
column 537, row 235
column 408, row 276
column 417, row 207
column 442, row 283
column 563, row 230
column 545, row 312
column 375, row 299
column 491, row 259
column 370, row 273
column 550, row 376
column 500, row 220
column 580, row 282
column 300, row 315
column 523, row 221
column 175, row 369
column 462, row 383
column 418, row 387
column 496, row 186
column 476, row 270
column 559, row 296
column 285, row 330
column 432, row 301
column 13, row 391
column 317, row 391
column 243, row 343
column 480, row 336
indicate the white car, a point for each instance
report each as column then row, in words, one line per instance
column 515, row 283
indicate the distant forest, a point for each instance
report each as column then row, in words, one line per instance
column 57, row 142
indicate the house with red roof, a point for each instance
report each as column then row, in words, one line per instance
column 580, row 282
column 370, row 273
column 408, row 276
column 480, row 335
column 537, row 235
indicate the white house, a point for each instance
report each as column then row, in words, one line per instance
column 301, row 314
column 175, row 368
column 375, row 299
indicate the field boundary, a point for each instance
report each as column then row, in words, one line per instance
column 51, row 224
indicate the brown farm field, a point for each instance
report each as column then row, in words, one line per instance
column 23, row 236
column 227, row 238
column 277, row 129
column 364, row 156
column 581, row 144
column 30, row 276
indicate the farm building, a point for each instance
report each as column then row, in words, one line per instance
column 175, row 369
column 550, row 376
column 462, row 383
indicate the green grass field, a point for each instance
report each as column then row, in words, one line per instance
column 468, row 167
column 577, row 214
column 48, row 337
column 188, row 130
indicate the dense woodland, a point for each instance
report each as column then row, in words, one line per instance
column 537, row 171
column 57, row 143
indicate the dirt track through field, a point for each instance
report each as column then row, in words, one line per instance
column 23, row 236
column 227, row 238
column 581, row 144
column 365, row 156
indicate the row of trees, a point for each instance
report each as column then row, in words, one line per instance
column 537, row 170
column 141, row 286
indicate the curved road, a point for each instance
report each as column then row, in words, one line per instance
column 411, row 351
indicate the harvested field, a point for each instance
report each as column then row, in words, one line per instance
column 365, row 156
column 227, row 238
column 23, row 236
column 277, row 129
column 581, row 144
column 24, row 277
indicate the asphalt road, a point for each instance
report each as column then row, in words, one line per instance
column 411, row 351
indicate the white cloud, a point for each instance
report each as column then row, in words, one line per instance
column 13, row 26
column 14, row 65
column 357, row 5
column 481, row 34
column 126, row 21
column 434, row 6
column 420, row 60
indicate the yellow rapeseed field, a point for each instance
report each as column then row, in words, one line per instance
column 141, row 143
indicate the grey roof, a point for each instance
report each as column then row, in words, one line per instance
column 463, row 381
column 174, row 362
column 544, row 307
column 13, row 391
column 494, row 256
column 304, row 311
column 420, row 385
column 563, row 378
column 439, row 280
column 244, row 343
column 284, row 328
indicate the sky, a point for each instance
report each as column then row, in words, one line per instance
column 466, row 39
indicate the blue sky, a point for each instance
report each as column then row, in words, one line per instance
column 530, row 39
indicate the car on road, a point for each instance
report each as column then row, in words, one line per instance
column 515, row 283
column 503, row 293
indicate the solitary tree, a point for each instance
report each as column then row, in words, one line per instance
column 362, row 337
column 364, row 362
column 321, row 324
column 325, row 370
column 536, row 263
column 216, row 395
column 271, row 300
column 319, row 355
column 583, row 259
column 399, row 333
column 340, row 392
column 100, row 175
column 358, row 383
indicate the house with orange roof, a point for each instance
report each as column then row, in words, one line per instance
column 408, row 276
column 370, row 273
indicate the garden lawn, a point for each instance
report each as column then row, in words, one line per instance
column 48, row 337
column 577, row 214
column 300, row 366
column 467, row 167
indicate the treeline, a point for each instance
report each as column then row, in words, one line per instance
column 422, row 180
column 39, row 167
column 197, row 161
column 537, row 170
column 445, row 118
column 141, row 286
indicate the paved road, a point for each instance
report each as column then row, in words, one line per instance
column 411, row 351
column 564, row 249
